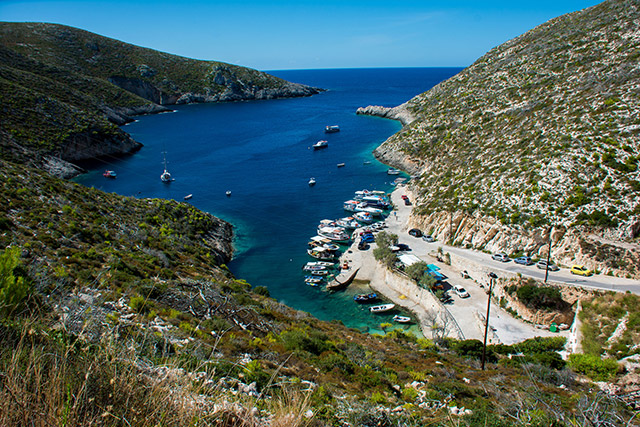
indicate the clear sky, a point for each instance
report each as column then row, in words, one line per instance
column 295, row 34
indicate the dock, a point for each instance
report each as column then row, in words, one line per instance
column 342, row 280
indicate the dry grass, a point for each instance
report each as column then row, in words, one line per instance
column 47, row 380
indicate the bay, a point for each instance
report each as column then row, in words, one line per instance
column 261, row 152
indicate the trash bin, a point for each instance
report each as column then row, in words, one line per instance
column 553, row 327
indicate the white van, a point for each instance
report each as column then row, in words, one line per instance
column 462, row 292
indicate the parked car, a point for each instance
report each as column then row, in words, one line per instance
column 542, row 265
column 407, row 202
column 428, row 238
column 462, row 292
column 415, row 232
column 524, row 260
column 501, row 257
column 404, row 197
column 581, row 270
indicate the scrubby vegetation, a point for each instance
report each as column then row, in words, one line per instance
column 528, row 136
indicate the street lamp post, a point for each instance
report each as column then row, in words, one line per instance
column 546, row 271
column 492, row 276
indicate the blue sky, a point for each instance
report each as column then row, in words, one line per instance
column 288, row 34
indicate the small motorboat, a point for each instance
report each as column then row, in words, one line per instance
column 228, row 193
column 324, row 264
column 109, row 174
column 362, row 298
column 320, row 144
column 350, row 205
column 336, row 234
column 165, row 176
column 319, row 272
column 188, row 197
column 392, row 171
column 321, row 254
column 401, row 319
column 383, row 308
column 332, row 129
column 312, row 182
column 340, row 165
column 313, row 280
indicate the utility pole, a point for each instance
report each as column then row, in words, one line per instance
column 492, row 276
column 546, row 271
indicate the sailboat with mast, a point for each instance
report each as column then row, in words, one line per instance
column 166, row 176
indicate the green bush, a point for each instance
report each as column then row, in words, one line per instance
column 541, row 297
column 14, row 288
column 297, row 339
column 594, row 367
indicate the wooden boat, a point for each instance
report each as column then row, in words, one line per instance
column 383, row 308
column 401, row 319
column 362, row 298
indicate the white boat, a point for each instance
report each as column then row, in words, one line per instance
column 332, row 129
column 340, row 165
column 364, row 217
column 337, row 234
column 320, row 144
column 324, row 264
column 375, row 201
column 188, row 197
column 313, row 280
column 228, row 193
column 319, row 272
column 392, row 171
column 165, row 176
column 350, row 205
column 348, row 222
column 401, row 319
column 312, row 182
column 363, row 207
column 383, row 308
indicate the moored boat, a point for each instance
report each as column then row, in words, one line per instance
column 188, row 197
column 392, row 171
column 340, row 165
column 364, row 217
column 109, row 174
column 312, row 182
column 321, row 254
column 337, row 234
column 362, row 298
column 362, row 207
column 332, row 129
column 165, row 176
column 401, row 319
column 350, row 205
column 347, row 222
column 383, row 308
column 320, row 144
column 313, row 280
column 314, row 264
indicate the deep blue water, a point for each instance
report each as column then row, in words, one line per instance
column 260, row 151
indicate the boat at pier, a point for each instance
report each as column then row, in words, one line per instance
column 383, row 308
column 363, row 298
column 364, row 217
column 336, row 234
column 321, row 254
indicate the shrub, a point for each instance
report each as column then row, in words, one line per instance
column 297, row 339
column 262, row 290
column 594, row 367
column 14, row 288
column 541, row 297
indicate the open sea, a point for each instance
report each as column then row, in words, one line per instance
column 260, row 151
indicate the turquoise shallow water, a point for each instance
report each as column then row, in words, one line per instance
column 260, row 151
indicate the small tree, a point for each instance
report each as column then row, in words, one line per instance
column 416, row 271
column 13, row 290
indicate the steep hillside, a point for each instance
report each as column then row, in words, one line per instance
column 64, row 90
column 543, row 131
column 118, row 311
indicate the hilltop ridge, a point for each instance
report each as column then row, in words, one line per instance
column 66, row 90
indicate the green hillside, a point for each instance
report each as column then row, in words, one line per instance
column 542, row 130
column 64, row 90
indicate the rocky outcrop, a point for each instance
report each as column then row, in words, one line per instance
column 400, row 113
column 568, row 247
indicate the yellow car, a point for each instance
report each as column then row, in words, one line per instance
column 581, row 270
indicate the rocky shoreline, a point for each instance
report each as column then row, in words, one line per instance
column 400, row 113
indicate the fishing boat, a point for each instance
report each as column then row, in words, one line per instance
column 401, row 319
column 165, row 176
column 364, row 217
column 332, row 129
column 320, row 144
column 109, row 174
column 392, row 171
column 350, row 205
column 347, row 222
column 321, row 254
column 375, row 201
column 363, row 207
column 312, row 182
column 362, row 298
column 336, row 234
column 319, row 272
column 383, row 308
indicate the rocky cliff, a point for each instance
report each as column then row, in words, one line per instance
column 64, row 90
column 541, row 132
